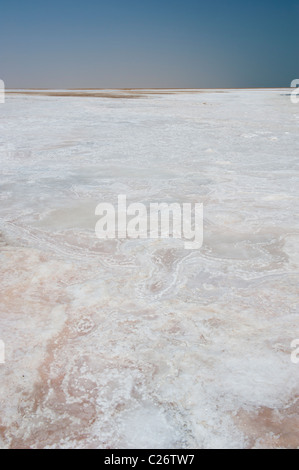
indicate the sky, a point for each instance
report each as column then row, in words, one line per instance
column 157, row 43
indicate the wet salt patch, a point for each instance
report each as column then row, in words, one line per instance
column 277, row 197
column 222, row 162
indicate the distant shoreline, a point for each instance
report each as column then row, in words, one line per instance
column 152, row 88
column 121, row 93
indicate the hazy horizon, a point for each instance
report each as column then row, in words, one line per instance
column 191, row 44
column 147, row 88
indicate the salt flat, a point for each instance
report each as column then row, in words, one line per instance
column 141, row 343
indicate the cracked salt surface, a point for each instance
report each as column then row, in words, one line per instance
column 140, row 343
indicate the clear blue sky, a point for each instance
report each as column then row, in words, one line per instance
column 165, row 43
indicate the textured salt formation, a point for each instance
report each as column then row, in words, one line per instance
column 140, row 343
